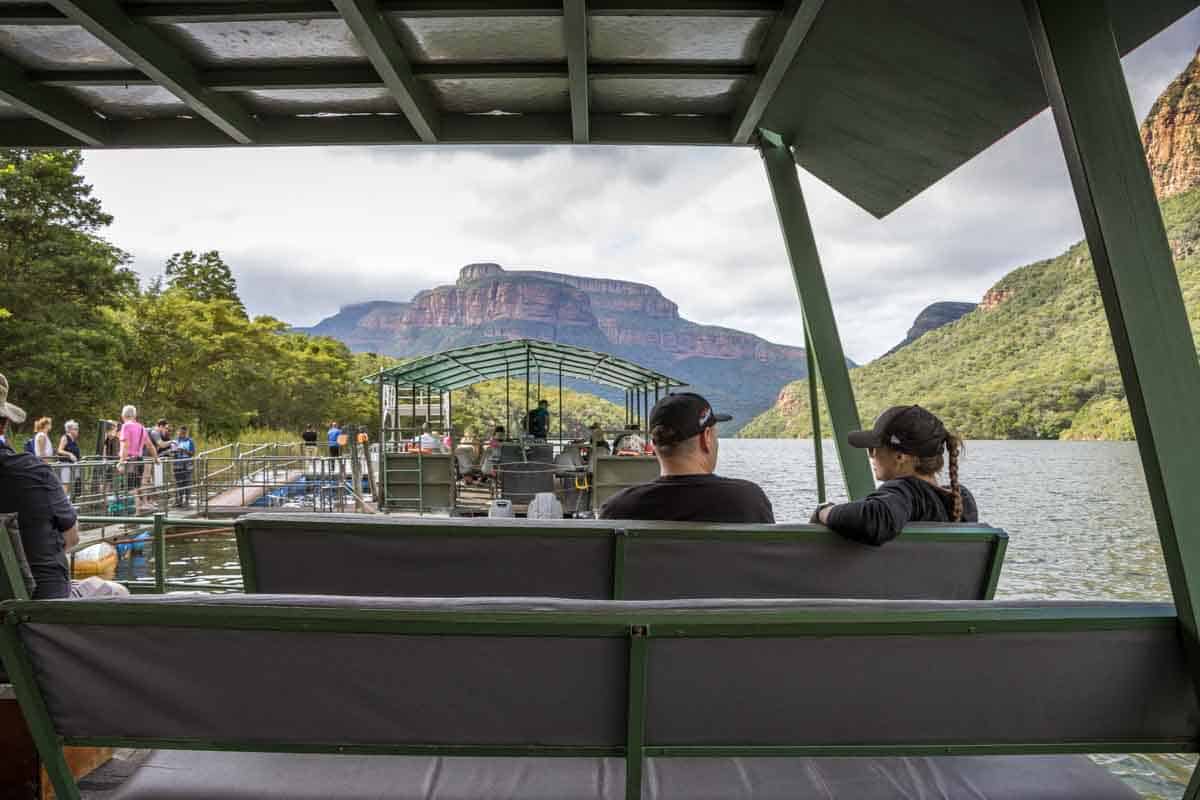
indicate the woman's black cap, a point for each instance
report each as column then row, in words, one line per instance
column 909, row 429
column 682, row 415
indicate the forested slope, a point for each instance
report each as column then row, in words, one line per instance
column 1038, row 364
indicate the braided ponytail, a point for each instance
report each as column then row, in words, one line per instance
column 954, row 446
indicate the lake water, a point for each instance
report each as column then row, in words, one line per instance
column 1077, row 513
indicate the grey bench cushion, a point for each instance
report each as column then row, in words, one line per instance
column 180, row 775
column 353, row 554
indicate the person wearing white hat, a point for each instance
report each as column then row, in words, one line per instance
column 47, row 521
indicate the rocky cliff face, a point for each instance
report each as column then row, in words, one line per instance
column 739, row 371
column 1171, row 134
column 931, row 318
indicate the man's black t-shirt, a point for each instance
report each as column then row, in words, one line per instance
column 309, row 437
column 691, row 498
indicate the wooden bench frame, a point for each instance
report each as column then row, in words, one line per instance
column 637, row 627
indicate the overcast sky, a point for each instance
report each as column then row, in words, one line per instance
column 309, row 230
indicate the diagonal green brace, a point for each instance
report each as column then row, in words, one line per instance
column 820, row 324
column 1081, row 70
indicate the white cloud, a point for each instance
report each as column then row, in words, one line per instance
column 309, row 230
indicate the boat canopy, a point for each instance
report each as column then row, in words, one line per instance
column 881, row 98
column 456, row 369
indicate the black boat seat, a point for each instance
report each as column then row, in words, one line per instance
column 195, row 775
column 721, row 685
column 302, row 553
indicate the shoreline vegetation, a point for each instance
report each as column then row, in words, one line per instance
column 1039, row 364
column 81, row 335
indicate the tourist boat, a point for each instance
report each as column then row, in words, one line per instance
column 464, row 480
column 716, row 698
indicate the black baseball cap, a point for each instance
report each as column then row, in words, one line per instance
column 909, row 429
column 680, row 416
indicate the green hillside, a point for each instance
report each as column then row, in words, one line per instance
column 1040, row 365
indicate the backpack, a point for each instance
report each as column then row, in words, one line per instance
column 29, row 447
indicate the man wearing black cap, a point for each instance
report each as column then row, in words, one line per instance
column 683, row 427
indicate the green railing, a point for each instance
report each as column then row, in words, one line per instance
column 159, row 524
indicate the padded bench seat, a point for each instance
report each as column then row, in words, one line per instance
column 534, row 698
column 190, row 775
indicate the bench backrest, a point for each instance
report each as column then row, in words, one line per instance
column 391, row 556
column 657, row 679
column 611, row 474
column 16, row 580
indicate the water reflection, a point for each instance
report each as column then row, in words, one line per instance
column 1077, row 513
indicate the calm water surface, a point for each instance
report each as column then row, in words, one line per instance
column 1077, row 514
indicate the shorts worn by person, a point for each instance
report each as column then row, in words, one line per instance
column 906, row 447
column 47, row 521
column 683, row 428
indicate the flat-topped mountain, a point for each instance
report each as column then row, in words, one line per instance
column 738, row 371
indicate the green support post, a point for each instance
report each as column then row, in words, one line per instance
column 1081, row 69
column 160, row 552
column 33, row 709
column 819, row 321
column 635, row 737
column 814, row 407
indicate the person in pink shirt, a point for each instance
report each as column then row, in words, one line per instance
column 134, row 442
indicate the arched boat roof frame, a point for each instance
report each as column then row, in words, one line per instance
column 455, row 369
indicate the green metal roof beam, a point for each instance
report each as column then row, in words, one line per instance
column 51, row 106
column 140, row 46
column 575, row 31
column 375, row 36
column 784, row 41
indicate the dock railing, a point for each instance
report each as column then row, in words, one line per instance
column 126, row 530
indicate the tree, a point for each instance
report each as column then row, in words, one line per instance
column 203, row 277
column 60, row 285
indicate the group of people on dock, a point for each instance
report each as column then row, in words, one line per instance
column 46, row 520
column 126, row 450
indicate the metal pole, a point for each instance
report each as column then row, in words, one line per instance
column 414, row 407
column 817, row 310
column 1081, row 70
column 525, row 419
column 818, row 454
column 356, row 475
column 507, row 403
column 160, row 552
column 561, row 438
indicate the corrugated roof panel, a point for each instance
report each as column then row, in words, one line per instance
column 131, row 102
column 57, row 47
column 484, row 95
column 270, row 42
column 665, row 96
column 336, row 101
column 643, row 38
column 464, row 366
column 481, row 39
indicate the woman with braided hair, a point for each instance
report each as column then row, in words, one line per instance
column 908, row 448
